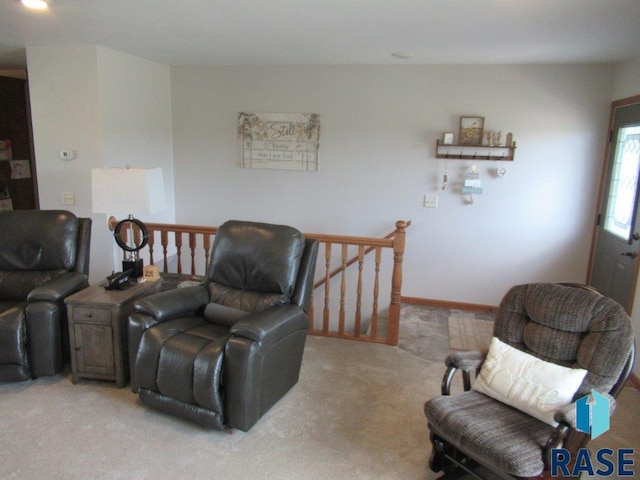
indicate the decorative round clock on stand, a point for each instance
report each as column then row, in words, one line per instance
column 132, row 236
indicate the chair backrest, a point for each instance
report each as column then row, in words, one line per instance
column 569, row 326
column 38, row 245
column 254, row 265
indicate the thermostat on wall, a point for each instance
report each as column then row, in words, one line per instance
column 66, row 154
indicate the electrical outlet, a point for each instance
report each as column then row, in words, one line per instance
column 430, row 201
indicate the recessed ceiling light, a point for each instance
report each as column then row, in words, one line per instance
column 403, row 55
column 35, row 4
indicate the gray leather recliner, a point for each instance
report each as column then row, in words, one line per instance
column 44, row 257
column 223, row 352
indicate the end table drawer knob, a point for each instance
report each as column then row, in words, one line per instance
column 94, row 315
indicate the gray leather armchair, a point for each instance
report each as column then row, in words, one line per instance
column 223, row 352
column 44, row 257
column 569, row 325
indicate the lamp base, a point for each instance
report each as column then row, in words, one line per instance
column 134, row 265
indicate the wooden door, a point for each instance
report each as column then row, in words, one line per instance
column 17, row 167
column 614, row 261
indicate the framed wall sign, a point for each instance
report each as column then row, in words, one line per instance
column 471, row 130
column 286, row 141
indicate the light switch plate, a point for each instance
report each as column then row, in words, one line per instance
column 68, row 198
column 430, row 201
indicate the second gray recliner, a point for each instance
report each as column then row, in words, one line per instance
column 222, row 353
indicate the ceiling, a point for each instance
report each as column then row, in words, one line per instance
column 323, row 32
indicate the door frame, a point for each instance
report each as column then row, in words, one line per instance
column 624, row 102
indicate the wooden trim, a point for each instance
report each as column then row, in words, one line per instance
column 429, row 302
column 623, row 102
column 349, row 336
column 634, row 381
column 170, row 227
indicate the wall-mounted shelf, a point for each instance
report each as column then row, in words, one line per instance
column 475, row 152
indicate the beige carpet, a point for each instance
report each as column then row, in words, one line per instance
column 356, row 413
column 469, row 333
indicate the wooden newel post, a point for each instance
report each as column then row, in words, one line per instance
column 396, row 282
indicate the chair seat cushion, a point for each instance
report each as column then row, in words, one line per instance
column 501, row 436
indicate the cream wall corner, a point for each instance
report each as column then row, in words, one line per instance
column 110, row 109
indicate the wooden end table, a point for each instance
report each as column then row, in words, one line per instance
column 98, row 321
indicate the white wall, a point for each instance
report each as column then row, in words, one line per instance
column 63, row 87
column 378, row 132
column 627, row 80
column 111, row 109
column 379, row 126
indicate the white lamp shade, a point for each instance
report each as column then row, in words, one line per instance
column 127, row 190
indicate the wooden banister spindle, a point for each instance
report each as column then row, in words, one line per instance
column 178, row 241
column 343, row 290
column 192, row 246
column 164, row 239
column 358, row 320
column 327, row 287
column 376, row 292
column 396, row 283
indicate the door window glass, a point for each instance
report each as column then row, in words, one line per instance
column 624, row 183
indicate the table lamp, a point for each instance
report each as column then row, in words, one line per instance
column 128, row 191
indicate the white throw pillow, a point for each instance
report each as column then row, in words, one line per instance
column 527, row 383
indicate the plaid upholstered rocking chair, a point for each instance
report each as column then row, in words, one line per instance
column 506, row 424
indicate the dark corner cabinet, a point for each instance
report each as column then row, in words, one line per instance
column 18, row 185
column 98, row 321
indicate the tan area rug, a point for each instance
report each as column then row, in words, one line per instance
column 469, row 333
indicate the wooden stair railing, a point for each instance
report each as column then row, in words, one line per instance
column 395, row 241
column 166, row 245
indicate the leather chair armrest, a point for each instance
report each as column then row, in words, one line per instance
column 58, row 288
column 271, row 324
column 262, row 362
column 138, row 323
column 172, row 303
